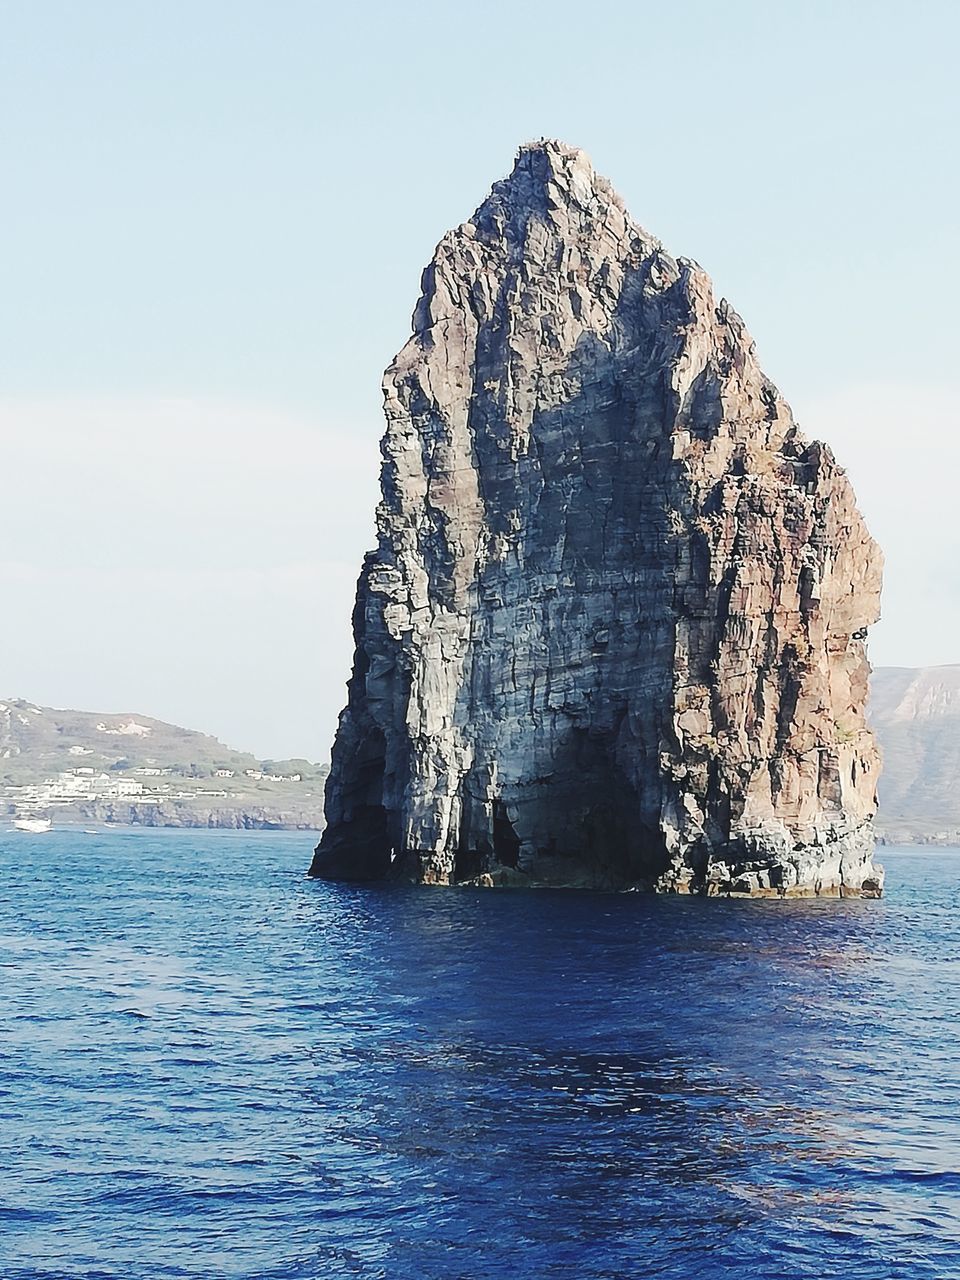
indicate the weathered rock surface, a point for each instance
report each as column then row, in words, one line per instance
column 613, row 631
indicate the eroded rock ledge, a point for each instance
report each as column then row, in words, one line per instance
column 613, row 632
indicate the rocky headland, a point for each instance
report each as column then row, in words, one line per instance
column 613, row 631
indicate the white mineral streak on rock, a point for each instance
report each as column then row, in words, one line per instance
column 612, row 634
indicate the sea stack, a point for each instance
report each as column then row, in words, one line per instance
column 612, row 635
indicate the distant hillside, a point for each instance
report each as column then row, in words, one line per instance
column 88, row 767
column 915, row 712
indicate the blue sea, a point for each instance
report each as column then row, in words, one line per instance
column 211, row 1066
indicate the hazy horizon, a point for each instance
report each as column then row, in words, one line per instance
column 216, row 225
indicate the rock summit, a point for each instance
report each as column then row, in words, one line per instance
column 612, row 635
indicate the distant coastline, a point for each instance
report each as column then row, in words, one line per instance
column 78, row 768
column 901, row 835
column 183, row 819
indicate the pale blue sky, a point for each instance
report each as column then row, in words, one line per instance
column 214, row 220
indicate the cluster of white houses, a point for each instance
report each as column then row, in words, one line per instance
column 83, row 785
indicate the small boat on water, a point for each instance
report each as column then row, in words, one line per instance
column 35, row 825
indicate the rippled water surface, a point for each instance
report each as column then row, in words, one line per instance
column 212, row 1067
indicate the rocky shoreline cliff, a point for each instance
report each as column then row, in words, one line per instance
column 613, row 631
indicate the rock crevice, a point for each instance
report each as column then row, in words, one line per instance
column 612, row 634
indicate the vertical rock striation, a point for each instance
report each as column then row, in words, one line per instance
column 612, row 634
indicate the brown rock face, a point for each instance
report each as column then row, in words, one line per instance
column 613, row 631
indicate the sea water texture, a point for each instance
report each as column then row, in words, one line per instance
column 213, row 1067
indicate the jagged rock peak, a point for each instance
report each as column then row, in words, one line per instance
column 613, row 630
column 550, row 172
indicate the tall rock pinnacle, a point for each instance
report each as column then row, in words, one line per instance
column 612, row 634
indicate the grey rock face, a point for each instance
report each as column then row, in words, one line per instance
column 612, row 634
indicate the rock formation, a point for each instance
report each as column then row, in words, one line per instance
column 612, row 634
